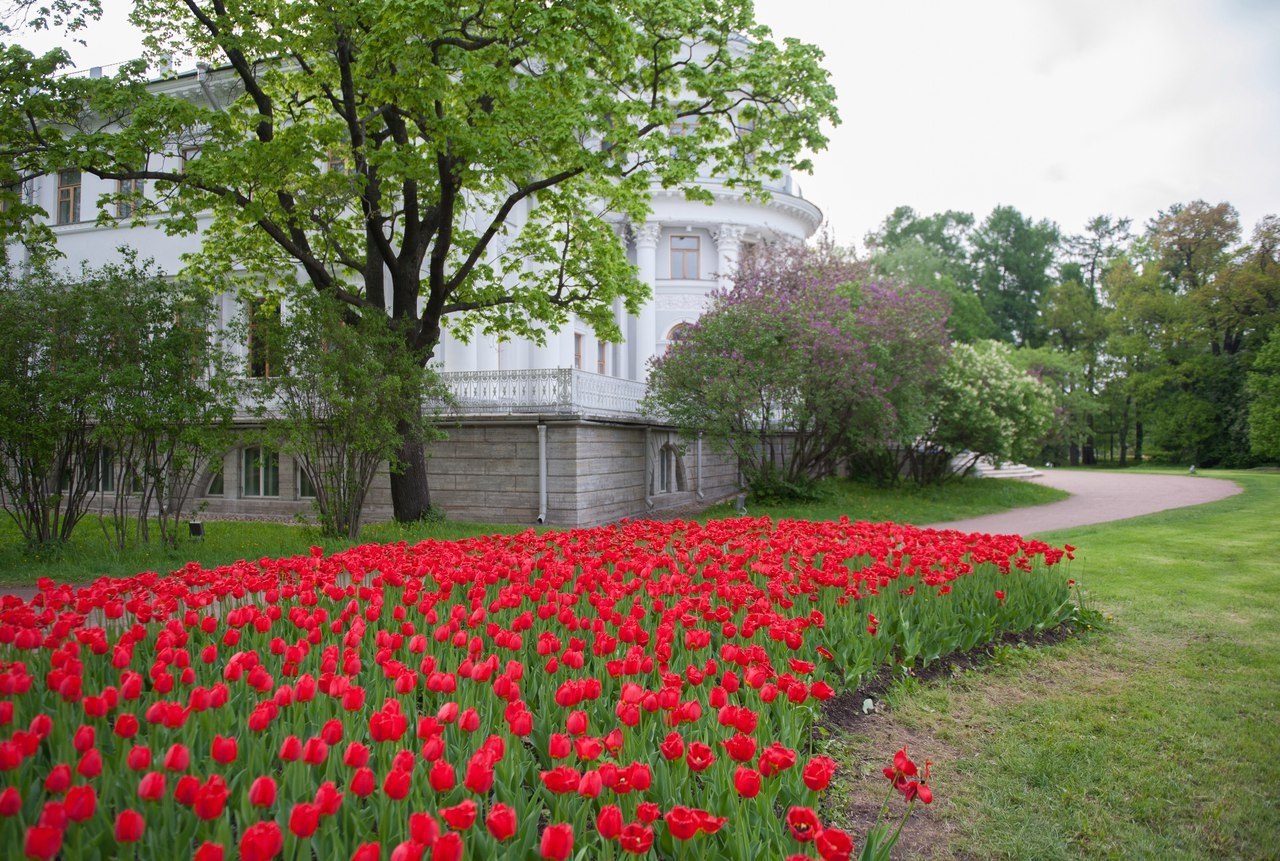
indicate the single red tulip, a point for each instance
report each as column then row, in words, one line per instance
column 557, row 842
column 501, row 822
column 129, row 826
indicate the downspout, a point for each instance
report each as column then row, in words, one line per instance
column 698, row 486
column 648, row 468
column 542, row 474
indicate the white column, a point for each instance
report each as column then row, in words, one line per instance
column 646, row 346
column 618, row 350
column 729, row 246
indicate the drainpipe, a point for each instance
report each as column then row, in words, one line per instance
column 542, row 474
column 648, row 468
column 698, row 486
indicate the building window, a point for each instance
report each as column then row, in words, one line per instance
column 189, row 154
column 335, row 162
column 216, row 485
column 579, row 341
column 130, row 191
column 685, row 251
column 68, row 196
column 102, row 472
column 601, row 349
column 261, row 472
column 264, row 324
column 671, row 476
column 306, row 490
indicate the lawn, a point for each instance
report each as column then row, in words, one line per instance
column 88, row 555
column 1155, row 736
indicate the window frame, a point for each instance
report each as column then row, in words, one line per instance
column 69, row 196
column 685, row 256
column 265, row 468
column 131, row 191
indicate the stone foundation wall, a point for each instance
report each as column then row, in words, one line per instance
column 487, row 471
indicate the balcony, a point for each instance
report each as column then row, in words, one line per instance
column 560, row 391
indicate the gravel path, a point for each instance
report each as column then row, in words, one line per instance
column 1099, row 497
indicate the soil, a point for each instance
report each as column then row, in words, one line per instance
column 872, row 736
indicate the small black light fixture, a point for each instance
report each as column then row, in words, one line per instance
column 196, row 528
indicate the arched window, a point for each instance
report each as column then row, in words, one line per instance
column 261, row 472
column 678, row 331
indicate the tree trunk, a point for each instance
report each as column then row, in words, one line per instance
column 1137, row 442
column 410, row 494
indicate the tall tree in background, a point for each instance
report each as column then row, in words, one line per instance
column 475, row 148
column 933, row 251
column 1104, row 239
column 1013, row 256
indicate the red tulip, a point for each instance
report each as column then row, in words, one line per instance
column 291, row 749
column 177, row 758
column 396, row 784
column 42, row 842
column 152, row 786
column 803, row 823
column 211, row 798
column 58, row 779
column 367, row 852
column 746, row 781
column 682, row 822
column 126, row 725
column 83, row 739
column 304, row 818
column 328, row 798
column 636, row 838
column 363, row 782
column 10, row 802
column 501, row 822
column 834, row 845
column 442, row 776
column 129, row 826
column 262, row 792
column 261, row 842
column 224, row 750
column 461, row 816
column 209, row 852
column 447, row 848
column 817, row 773
column 672, row 747
column 90, row 764
column 423, row 828
column 557, row 842
column 700, row 756
column 609, row 821
column 139, row 757
column 81, row 802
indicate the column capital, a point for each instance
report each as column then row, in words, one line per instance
column 646, row 235
column 729, row 236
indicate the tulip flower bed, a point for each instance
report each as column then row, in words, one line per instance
column 641, row 689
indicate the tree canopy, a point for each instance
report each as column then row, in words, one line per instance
column 468, row 161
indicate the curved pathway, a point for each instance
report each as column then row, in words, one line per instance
column 1099, row 497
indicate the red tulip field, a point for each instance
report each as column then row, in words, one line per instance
column 636, row 690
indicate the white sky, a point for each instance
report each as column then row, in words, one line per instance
column 1064, row 109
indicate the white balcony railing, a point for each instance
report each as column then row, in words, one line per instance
column 561, row 391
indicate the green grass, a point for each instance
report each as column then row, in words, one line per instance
column 1155, row 737
column 907, row 504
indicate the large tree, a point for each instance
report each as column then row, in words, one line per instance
column 1013, row 255
column 480, row 152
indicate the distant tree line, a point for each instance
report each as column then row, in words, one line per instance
column 1159, row 342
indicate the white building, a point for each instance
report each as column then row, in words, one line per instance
column 547, row 433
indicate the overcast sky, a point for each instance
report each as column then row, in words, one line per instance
column 1064, row 109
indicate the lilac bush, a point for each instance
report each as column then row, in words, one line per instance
column 800, row 363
